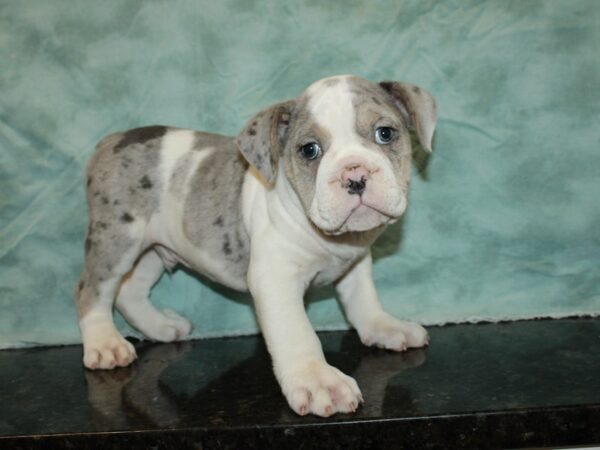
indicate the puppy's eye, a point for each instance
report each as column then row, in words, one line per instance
column 384, row 135
column 312, row 150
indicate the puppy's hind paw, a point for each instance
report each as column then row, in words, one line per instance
column 168, row 326
column 113, row 351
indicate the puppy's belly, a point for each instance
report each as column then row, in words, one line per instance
column 206, row 258
column 206, row 265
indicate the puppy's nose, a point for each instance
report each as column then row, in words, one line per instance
column 356, row 187
column 355, row 179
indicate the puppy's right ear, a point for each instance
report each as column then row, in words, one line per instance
column 262, row 140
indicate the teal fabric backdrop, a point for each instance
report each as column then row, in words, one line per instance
column 504, row 219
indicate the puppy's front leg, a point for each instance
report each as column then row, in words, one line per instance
column 309, row 384
column 374, row 326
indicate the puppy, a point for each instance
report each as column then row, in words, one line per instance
column 296, row 200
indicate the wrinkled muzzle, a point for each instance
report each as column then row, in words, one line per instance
column 356, row 193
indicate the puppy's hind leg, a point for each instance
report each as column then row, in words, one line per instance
column 134, row 304
column 111, row 251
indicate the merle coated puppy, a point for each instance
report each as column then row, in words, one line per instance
column 295, row 200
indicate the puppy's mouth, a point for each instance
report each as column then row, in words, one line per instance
column 362, row 215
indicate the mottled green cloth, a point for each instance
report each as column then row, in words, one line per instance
column 504, row 219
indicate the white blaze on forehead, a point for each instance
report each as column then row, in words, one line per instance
column 331, row 106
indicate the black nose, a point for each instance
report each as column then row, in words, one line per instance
column 356, row 187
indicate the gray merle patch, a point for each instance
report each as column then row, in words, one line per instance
column 139, row 136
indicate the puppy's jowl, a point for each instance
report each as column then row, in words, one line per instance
column 294, row 201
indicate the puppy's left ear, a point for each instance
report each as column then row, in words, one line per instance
column 263, row 138
column 417, row 106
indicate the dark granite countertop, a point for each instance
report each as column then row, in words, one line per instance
column 520, row 384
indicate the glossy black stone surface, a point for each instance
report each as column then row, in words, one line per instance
column 511, row 385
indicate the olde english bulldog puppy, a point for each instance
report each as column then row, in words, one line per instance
column 294, row 201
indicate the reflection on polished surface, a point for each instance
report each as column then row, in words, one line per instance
column 470, row 371
column 237, row 384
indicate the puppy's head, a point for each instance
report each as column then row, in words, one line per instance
column 345, row 148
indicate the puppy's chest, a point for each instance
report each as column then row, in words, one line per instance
column 338, row 255
column 333, row 268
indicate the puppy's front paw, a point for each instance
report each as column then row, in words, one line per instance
column 390, row 333
column 106, row 349
column 318, row 388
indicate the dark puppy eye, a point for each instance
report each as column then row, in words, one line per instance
column 312, row 150
column 384, row 135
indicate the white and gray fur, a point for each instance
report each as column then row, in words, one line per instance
column 244, row 211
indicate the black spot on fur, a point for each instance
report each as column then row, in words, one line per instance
column 88, row 245
column 126, row 218
column 387, row 85
column 252, row 132
column 105, row 200
column 145, row 182
column 140, row 136
column 80, row 286
column 227, row 245
column 89, row 181
column 219, row 221
column 102, row 225
column 116, row 202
